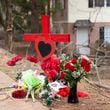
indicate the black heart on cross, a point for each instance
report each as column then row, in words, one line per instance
column 44, row 48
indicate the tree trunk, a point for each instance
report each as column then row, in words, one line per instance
column 35, row 24
column 37, row 10
column 9, row 25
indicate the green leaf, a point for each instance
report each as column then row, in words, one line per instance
column 68, row 77
column 44, row 1
column 48, row 101
column 45, row 95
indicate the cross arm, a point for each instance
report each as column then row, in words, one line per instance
column 31, row 37
column 60, row 37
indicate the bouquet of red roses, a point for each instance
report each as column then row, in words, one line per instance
column 51, row 67
column 74, row 69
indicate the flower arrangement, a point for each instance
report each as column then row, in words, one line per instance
column 15, row 59
column 51, row 67
column 12, row 61
column 56, row 71
column 74, row 69
column 70, row 69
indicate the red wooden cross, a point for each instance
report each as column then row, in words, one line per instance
column 44, row 42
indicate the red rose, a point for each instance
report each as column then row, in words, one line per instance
column 67, row 65
column 17, row 58
column 70, row 66
column 58, row 68
column 13, row 60
column 51, row 63
column 11, row 63
column 84, row 62
column 43, row 66
column 74, row 60
column 62, row 75
column 52, row 74
column 87, row 68
column 32, row 58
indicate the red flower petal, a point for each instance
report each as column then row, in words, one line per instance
column 51, row 63
column 32, row 58
column 63, row 92
column 17, row 58
column 51, row 74
column 67, row 65
column 11, row 63
column 72, row 68
column 62, row 75
column 74, row 60
column 13, row 60
column 87, row 68
column 84, row 62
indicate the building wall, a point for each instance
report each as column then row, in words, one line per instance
column 94, row 35
column 99, row 16
column 61, row 15
column 78, row 9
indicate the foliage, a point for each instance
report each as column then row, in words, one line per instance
column 22, row 15
column 47, row 99
column 44, row 1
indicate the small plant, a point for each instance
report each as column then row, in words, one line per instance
column 19, row 75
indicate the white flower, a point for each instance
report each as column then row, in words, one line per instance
column 84, row 57
column 75, row 74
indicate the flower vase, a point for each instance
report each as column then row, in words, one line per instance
column 72, row 97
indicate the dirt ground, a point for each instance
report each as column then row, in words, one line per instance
column 99, row 97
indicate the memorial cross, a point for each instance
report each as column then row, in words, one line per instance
column 44, row 42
